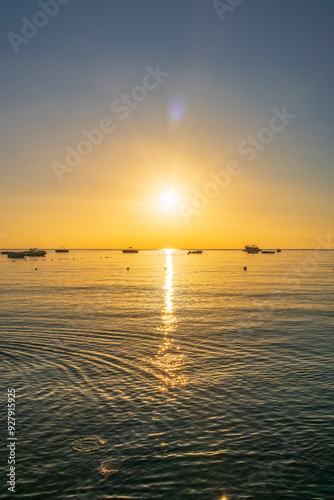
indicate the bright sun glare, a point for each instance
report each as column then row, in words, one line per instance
column 169, row 199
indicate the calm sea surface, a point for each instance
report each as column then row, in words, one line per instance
column 184, row 377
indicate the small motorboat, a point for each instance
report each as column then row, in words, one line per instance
column 278, row 250
column 268, row 251
column 61, row 250
column 191, row 252
column 34, row 252
column 130, row 250
column 16, row 255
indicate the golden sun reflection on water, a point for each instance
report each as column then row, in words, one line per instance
column 168, row 359
column 168, row 318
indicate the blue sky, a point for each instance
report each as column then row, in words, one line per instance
column 228, row 74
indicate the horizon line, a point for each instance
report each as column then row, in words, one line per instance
column 182, row 249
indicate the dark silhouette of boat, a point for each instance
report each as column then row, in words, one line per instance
column 130, row 250
column 278, row 250
column 252, row 249
column 34, row 252
column 6, row 252
column 61, row 250
column 16, row 255
column 195, row 252
column 268, row 251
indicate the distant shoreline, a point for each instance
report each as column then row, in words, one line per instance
column 180, row 249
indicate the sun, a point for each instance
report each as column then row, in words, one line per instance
column 169, row 199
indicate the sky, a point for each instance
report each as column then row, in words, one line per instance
column 155, row 124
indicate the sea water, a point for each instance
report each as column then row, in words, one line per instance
column 162, row 375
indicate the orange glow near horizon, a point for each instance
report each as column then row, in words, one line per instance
column 157, row 196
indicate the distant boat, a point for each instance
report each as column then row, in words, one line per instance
column 34, row 252
column 130, row 250
column 195, row 251
column 16, row 255
column 268, row 251
column 61, row 250
column 251, row 249
column 5, row 252
column 278, row 250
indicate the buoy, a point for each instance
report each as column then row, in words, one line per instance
column 245, row 268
